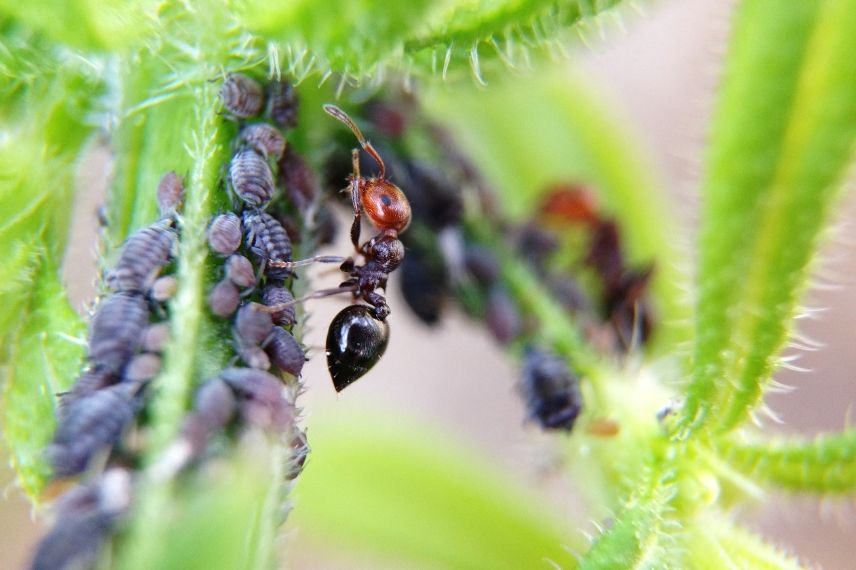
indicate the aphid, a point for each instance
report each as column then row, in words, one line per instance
column 274, row 294
column 170, row 193
column 434, row 198
column 267, row 239
column 605, row 255
column 538, row 245
column 85, row 516
column 300, row 451
column 261, row 400
column 254, row 357
column 214, row 407
column 502, row 316
column 297, row 180
column 242, row 96
column 224, row 298
column 264, row 139
column 155, row 337
column 239, row 270
column 116, row 330
column 164, row 288
column 355, row 342
column 627, row 308
column 250, row 178
column 285, row 352
column 224, row 234
column 283, row 104
column 90, row 381
column 481, row 264
column 142, row 257
column 142, row 367
column 425, row 283
column 252, row 325
column 551, row 391
column 91, row 425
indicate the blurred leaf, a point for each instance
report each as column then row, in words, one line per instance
column 711, row 541
column 825, row 465
column 558, row 130
column 635, row 537
column 87, row 24
column 43, row 360
column 783, row 135
column 362, row 38
column 393, row 490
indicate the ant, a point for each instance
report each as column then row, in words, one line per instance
column 355, row 342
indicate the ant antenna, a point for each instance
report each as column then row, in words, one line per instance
column 337, row 113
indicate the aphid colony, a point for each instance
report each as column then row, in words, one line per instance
column 130, row 331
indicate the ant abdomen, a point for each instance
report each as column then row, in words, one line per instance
column 355, row 342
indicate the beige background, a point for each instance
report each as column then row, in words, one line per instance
column 661, row 75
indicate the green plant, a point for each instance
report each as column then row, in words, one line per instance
column 781, row 141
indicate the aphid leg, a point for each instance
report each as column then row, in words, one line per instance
column 320, row 294
column 355, row 198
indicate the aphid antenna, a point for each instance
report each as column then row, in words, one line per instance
column 339, row 114
column 320, row 294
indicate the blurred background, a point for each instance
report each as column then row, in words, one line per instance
column 661, row 76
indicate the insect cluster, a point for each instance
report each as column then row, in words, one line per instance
column 101, row 422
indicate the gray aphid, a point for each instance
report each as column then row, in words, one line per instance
column 116, row 330
column 264, row 139
column 224, row 234
column 143, row 256
column 224, row 298
column 268, row 240
column 261, row 400
column 170, row 193
column 239, row 270
column 242, row 96
column 164, row 288
column 250, row 178
column 274, row 294
column 252, row 325
column 285, row 352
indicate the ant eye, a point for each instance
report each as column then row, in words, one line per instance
column 386, row 205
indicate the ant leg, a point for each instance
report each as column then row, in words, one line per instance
column 305, row 262
column 316, row 295
column 355, row 197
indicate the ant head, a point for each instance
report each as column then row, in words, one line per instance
column 337, row 113
column 384, row 203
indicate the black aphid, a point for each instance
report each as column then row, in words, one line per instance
column 285, row 352
column 355, row 342
column 283, row 104
column 425, row 284
column 261, row 400
column 170, row 193
column 242, row 96
column 297, row 180
column 252, row 325
column 481, row 264
column 276, row 294
column 89, row 426
column 264, row 139
column 239, row 270
column 224, row 298
column 268, row 240
column 250, row 178
column 224, row 234
column 502, row 316
column 142, row 257
column 117, row 329
column 550, row 389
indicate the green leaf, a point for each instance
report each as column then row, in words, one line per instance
column 783, row 135
column 44, row 356
column 363, row 38
column 824, row 465
column 391, row 489
column 636, row 537
column 558, row 129
column 712, row 542
column 87, row 24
